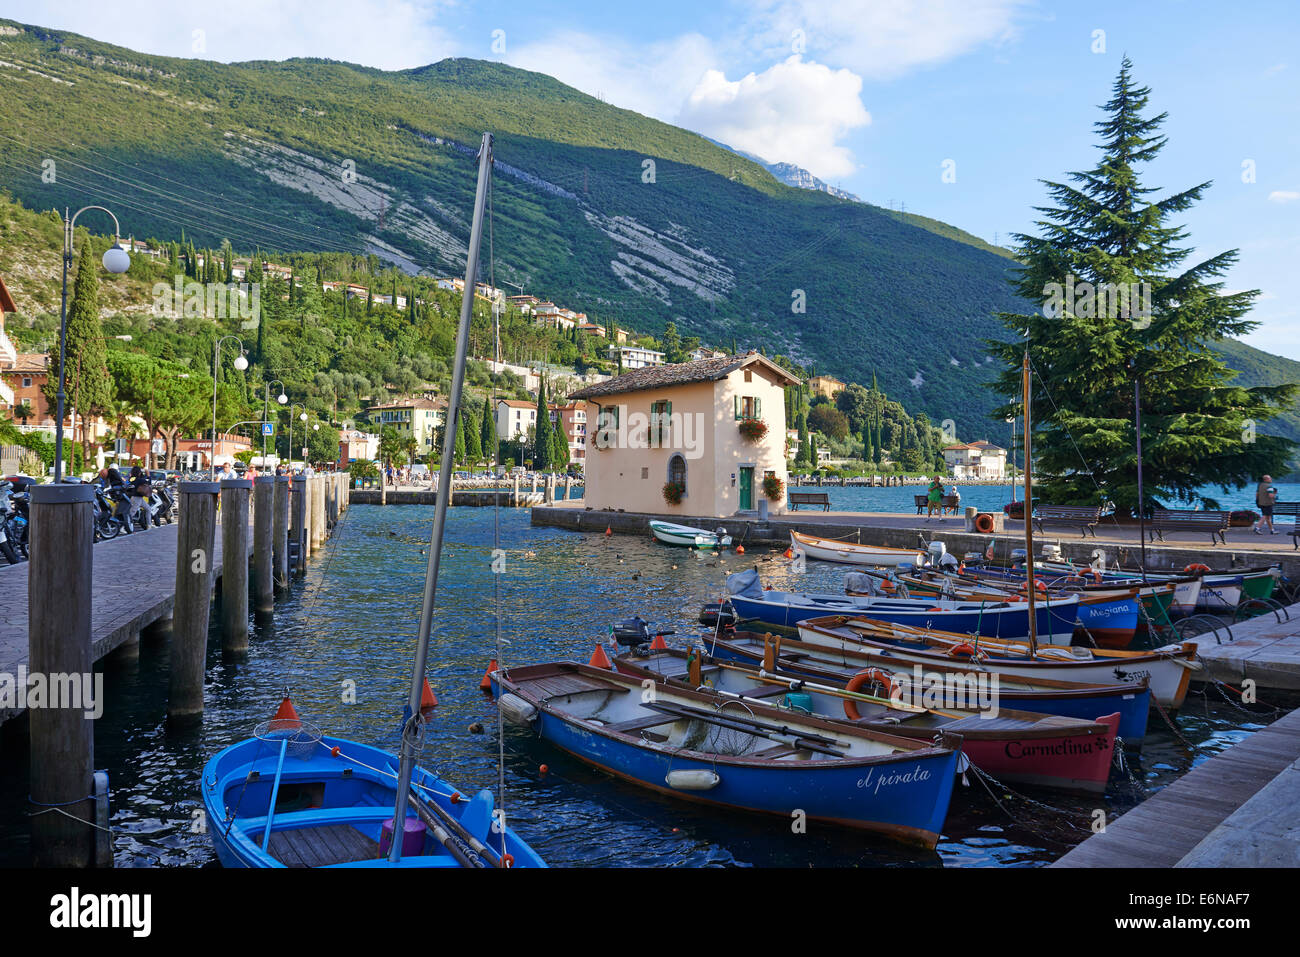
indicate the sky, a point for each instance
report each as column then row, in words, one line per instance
column 954, row 109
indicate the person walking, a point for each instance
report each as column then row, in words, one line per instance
column 1265, row 497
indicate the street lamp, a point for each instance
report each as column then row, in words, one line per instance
column 241, row 364
column 1011, row 421
column 115, row 260
column 266, row 399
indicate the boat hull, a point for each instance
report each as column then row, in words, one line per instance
column 851, row 553
column 684, row 536
column 1091, row 702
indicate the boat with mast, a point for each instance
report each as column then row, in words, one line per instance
column 336, row 803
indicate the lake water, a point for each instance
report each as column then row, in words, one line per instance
column 991, row 498
column 353, row 619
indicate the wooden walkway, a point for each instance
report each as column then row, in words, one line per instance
column 134, row 586
column 1262, row 649
column 1240, row 808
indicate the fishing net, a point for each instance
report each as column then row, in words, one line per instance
column 302, row 737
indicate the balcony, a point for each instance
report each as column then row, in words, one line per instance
column 7, row 350
column 7, row 395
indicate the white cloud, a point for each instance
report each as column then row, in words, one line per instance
column 653, row 79
column 1283, row 196
column 795, row 112
column 884, row 38
column 389, row 34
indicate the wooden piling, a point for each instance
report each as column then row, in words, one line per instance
column 317, row 512
column 280, row 532
column 568, row 487
column 235, row 495
column 514, row 496
column 195, row 545
column 263, row 535
column 58, row 642
column 298, row 521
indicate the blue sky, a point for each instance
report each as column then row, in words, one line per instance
column 871, row 95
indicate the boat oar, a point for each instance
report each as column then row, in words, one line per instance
column 456, row 845
column 828, row 690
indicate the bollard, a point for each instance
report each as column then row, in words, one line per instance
column 568, row 487
column 235, row 495
column 331, row 503
column 58, row 643
column 298, row 516
column 195, row 545
column 317, row 512
column 514, row 497
column 263, row 534
column 383, row 486
column 534, row 484
column 280, row 532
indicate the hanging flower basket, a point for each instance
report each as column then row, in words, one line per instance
column 673, row 493
column 753, row 429
column 774, row 488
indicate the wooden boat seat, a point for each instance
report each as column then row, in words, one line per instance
column 640, row 724
column 779, row 751
column 764, row 691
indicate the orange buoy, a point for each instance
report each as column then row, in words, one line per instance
column 507, row 861
column 658, row 644
column 287, row 713
column 599, row 659
column 455, row 797
column 740, row 549
column 608, row 530
column 486, row 683
column 789, row 553
column 428, row 700
column 543, row 769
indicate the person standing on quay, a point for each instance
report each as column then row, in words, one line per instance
column 1265, row 496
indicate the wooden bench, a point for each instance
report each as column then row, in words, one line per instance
column 1292, row 509
column 922, row 503
column 1188, row 520
column 1083, row 517
column 809, row 498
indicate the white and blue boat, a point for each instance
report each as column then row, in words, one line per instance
column 991, row 619
column 736, row 755
column 289, row 797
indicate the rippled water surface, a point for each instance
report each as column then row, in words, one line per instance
column 353, row 619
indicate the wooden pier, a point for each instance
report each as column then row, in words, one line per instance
column 1238, row 809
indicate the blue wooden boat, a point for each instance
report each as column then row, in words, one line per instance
column 1071, row 699
column 990, row 619
column 289, row 797
column 735, row 754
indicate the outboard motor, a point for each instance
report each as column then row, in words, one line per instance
column 635, row 635
column 935, row 552
column 717, row 614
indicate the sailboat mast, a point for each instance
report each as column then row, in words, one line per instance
column 1030, row 588
column 411, row 718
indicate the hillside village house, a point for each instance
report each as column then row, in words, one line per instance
column 514, row 418
column 572, row 418
column 418, row 417
column 976, row 460
column 8, row 354
column 357, row 446
column 681, row 424
column 826, row 385
column 635, row 357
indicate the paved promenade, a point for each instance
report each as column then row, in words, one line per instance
column 134, row 585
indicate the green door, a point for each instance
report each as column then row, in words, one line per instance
column 746, row 487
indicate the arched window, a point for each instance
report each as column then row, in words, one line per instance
column 677, row 472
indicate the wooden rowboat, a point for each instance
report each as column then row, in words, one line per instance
column 671, row 533
column 1018, row 746
column 736, row 754
column 851, row 553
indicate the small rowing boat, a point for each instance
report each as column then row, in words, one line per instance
column 1018, row 746
column 671, row 533
column 736, row 754
column 1040, row 694
column 851, row 553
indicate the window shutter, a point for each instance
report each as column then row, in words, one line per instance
column 737, row 399
column 758, row 408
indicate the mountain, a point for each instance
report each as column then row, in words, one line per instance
column 597, row 207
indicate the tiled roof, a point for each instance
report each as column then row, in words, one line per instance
column 28, row 363
column 682, row 373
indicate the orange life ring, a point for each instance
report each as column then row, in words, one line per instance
column 872, row 675
column 984, row 523
column 1096, row 576
column 965, row 648
column 1196, row 568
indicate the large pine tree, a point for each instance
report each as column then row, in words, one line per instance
column 1197, row 426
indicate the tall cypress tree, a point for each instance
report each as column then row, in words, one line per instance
column 1105, row 235
column 473, row 449
column 88, row 385
column 542, row 433
column 488, row 434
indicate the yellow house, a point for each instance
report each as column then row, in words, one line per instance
column 691, row 425
column 418, row 417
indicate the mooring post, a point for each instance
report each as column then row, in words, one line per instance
column 568, row 487
column 263, row 534
column 195, row 546
column 331, row 496
column 317, row 512
column 58, row 643
column 235, row 495
column 280, row 532
column 514, row 496
column 298, row 510
column 383, row 486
